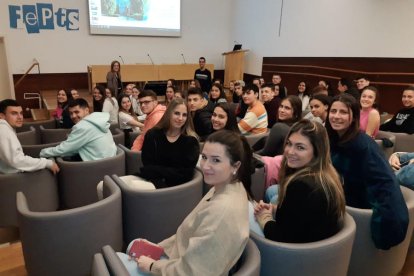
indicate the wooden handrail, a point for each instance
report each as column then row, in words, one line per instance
column 27, row 72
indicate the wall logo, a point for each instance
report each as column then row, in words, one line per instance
column 42, row 17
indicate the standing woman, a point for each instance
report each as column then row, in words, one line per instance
column 369, row 121
column 223, row 117
column 61, row 113
column 369, row 182
column 127, row 119
column 303, row 94
column 171, row 149
column 113, row 78
column 99, row 96
column 311, row 200
column 290, row 111
column 111, row 106
column 217, row 94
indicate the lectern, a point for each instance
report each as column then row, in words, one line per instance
column 234, row 68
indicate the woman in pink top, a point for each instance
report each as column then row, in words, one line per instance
column 370, row 118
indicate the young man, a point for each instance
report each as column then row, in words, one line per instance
column 345, row 85
column 362, row 82
column 277, row 80
column 237, row 98
column 203, row 75
column 90, row 138
column 201, row 111
column 255, row 121
column 153, row 110
column 12, row 158
column 271, row 103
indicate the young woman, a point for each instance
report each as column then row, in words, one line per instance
column 61, row 113
column 217, row 94
column 113, row 78
column 194, row 83
column 290, row 111
column 111, row 106
column 171, row 149
column 179, row 95
column 171, row 82
column 212, row 237
column 127, row 119
column 169, row 94
column 303, row 94
column 311, row 200
column 369, row 182
column 403, row 121
column 369, row 121
column 135, row 102
column 319, row 105
column 224, row 118
column 99, row 96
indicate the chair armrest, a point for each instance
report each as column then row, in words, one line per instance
column 114, row 263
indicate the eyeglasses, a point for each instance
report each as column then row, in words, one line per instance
column 145, row 102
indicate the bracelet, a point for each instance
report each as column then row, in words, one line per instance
column 151, row 266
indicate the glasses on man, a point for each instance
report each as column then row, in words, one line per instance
column 145, row 102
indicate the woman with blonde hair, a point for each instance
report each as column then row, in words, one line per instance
column 311, row 200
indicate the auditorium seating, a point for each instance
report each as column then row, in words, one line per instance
column 99, row 267
column 118, row 135
column 386, row 150
column 28, row 137
column 404, row 142
column 34, row 150
column 133, row 161
column 78, row 180
column 64, row 242
column 54, row 135
column 51, row 123
column 156, row 214
column 366, row 258
column 254, row 138
column 249, row 261
column 323, row 258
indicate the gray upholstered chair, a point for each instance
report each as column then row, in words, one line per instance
column 254, row 138
column 323, row 258
column 258, row 184
column 51, row 123
column 113, row 126
column 28, row 137
column 114, row 263
column 404, row 142
column 40, row 188
column 118, row 135
column 133, row 161
column 78, row 180
column 99, row 267
column 249, row 261
column 156, row 214
column 386, row 150
column 65, row 242
column 34, row 150
column 53, row 135
column 366, row 259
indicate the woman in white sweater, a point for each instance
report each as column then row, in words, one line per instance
column 110, row 105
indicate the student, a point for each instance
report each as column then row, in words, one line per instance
column 277, row 80
column 169, row 94
column 347, row 86
column 290, row 111
column 311, row 200
column 128, row 121
column 319, row 105
column 179, row 95
column 74, row 93
column 238, row 95
column 201, row 111
column 369, row 182
column 403, row 165
column 61, row 113
column 216, row 94
column 113, row 78
column 90, row 138
column 271, row 103
column 135, row 103
column 111, row 106
column 98, row 98
column 255, row 120
column 303, row 94
column 203, row 75
column 362, row 82
column 369, row 121
column 403, row 121
column 213, row 236
column 223, row 118
column 153, row 110
column 171, row 149
column 12, row 158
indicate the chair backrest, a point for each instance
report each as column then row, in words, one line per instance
column 366, row 259
column 40, row 114
column 28, row 137
column 114, row 126
column 41, row 190
column 133, row 161
column 386, row 150
column 34, row 150
column 156, row 214
column 114, row 263
column 323, row 258
column 64, row 242
column 254, row 138
column 78, row 180
column 51, row 123
column 404, row 142
column 258, row 184
column 53, row 135
column 250, row 261
column 118, row 135
column 99, row 266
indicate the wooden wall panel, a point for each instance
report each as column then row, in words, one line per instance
column 389, row 75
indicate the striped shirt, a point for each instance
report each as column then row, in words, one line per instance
column 255, row 120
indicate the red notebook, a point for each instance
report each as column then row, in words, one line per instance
column 143, row 247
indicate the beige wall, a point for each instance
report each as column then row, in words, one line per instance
column 6, row 89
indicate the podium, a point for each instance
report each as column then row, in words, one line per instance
column 234, row 67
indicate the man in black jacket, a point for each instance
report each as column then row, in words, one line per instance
column 201, row 110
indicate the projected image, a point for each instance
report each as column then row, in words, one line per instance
column 131, row 9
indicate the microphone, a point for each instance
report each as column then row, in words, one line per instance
column 122, row 59
column 235, row 42
column 183, row 58
column 152, row 62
